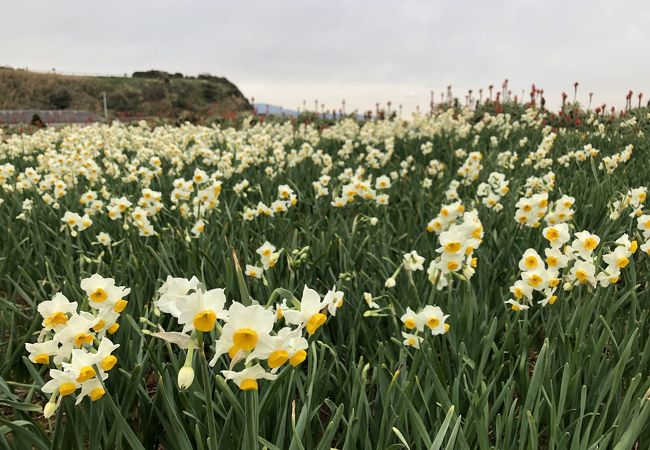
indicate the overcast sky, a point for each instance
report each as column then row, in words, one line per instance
column 282, row 52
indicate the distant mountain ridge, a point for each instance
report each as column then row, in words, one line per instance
column 275, row 110
column 265, row 108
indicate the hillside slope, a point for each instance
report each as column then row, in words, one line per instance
column 146, row 94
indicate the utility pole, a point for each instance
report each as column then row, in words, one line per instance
column 105, row 108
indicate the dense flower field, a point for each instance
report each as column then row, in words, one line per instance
column 458, row 280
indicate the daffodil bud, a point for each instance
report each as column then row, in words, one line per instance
column 185, row 377
column 374, row 221
column 390, row 283
column 49, row 410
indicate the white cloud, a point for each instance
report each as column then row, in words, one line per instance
column 286, row 51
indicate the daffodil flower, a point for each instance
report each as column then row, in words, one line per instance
column 368, row 298
column 516, row 306
column 411, row 340
column 333, row 300
column 200, row 310
column 530, row 260
column 92, row 388
column 105, row 359
column 81, row 363
column 40, row 352
column 61, row 382
column 78, row 331
column 412, row 261
column 557, row 235
column 411, row 320
column 309, row 315
column 287, row 345
column 246, row 380
column 618, row 258
column 253, row 271
column 245, row 327
column 584, row 272
column 173, row 292
column 55, row 312
column 97, row 288
column 584, row 244
column 434, row 319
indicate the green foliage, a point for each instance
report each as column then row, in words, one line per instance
column 573, row 375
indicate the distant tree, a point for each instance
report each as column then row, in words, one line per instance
column 158, row 74
column 60, row 98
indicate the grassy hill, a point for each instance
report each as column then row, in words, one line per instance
column 145, row 94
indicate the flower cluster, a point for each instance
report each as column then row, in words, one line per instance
column 611, row 163
column 471, row 168
column 75, row 222
column 507, row 159
column 429, row 317
column 643, row 224
column 531, row 210
column 92, row 204
column 150, row 201
column 452, row 190
column 616, row 259
column 561, row 210
column 321, row 185
column 140, row 218
column 446, row 217
column 268, row 255
column 7, row 171
column 359, row 187
column 246, row 332
column 456, row 251
column 571, row 264
column 579, row 155
column 286, row 199
column 534, row 184
column 635, row 199
column 117, row 207
column 539, row 158
column 436, row 168
column 74, row 343
column 536, row 276
column 492, row 191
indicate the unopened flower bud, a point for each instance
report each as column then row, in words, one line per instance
column 49, row 410
column 185, row 377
